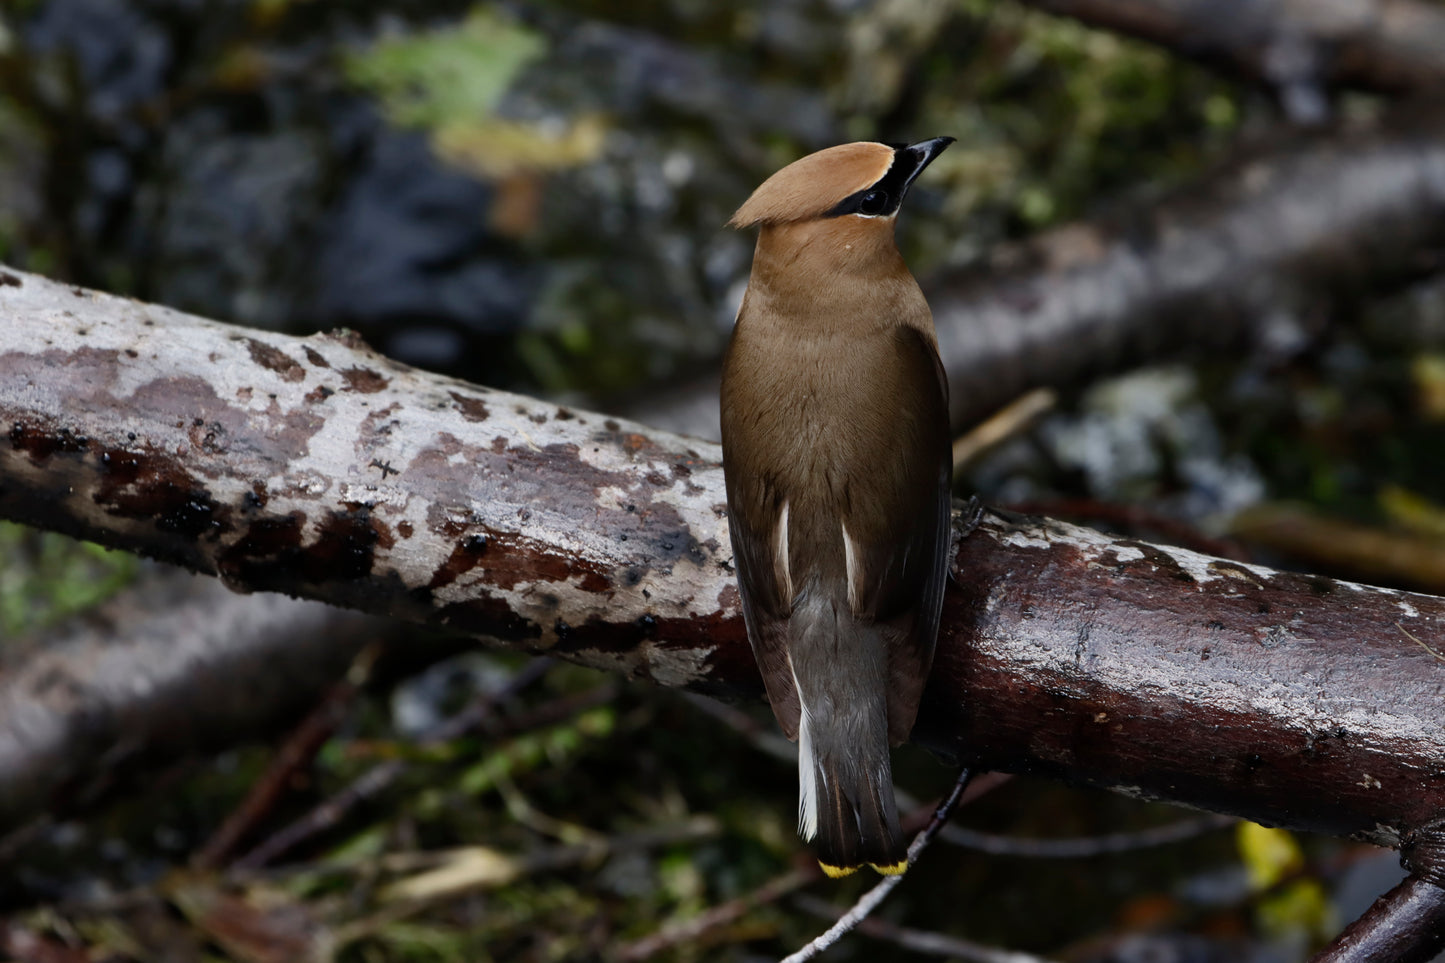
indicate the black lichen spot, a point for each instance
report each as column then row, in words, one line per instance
column 562, row 628
column 611, row 425
column 404, row 529
column 268, row 544
column 132, row 353
column 1214, row 625
column 346, row 547
column 194, row 514
column 40, row 444
column 564, row 414
column 256, row 498
column 647, row 622
column 315, row 357
column 319, row 394
column 9, row 280
column 476, row 544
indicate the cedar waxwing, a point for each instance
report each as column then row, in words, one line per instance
column 836, row 455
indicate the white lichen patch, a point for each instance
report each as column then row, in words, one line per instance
column 1409, row 610
column 1127, row 553
column 373, row 495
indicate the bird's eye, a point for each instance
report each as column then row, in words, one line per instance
column 873, row 203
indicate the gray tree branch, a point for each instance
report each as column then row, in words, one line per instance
column 1389, row 46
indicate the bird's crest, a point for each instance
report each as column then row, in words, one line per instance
column 812, row 186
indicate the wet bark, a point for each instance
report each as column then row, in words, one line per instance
column 314, row 467
column 1255, row 255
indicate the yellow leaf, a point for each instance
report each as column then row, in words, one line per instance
column 1268, row 854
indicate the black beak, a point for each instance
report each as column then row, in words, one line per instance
column 921, row 154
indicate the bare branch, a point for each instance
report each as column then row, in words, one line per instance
column 1390, row 46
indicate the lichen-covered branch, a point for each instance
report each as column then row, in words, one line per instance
column 314, row 467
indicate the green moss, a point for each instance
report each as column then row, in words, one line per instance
column 45, row 577
column 455, row 74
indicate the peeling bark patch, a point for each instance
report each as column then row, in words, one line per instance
column 364, row 380
column 274, row 359
column 145, row 486
column 488, row 616
column 466, row 556
column 272, row 554
column 9, row 280
column 287, row 435
column 472, row 409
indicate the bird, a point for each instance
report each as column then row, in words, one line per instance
column 837, row 465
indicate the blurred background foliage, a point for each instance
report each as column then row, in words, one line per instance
column 531, row 195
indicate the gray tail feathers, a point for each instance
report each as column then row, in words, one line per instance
column 846, row 800
column 845, row 777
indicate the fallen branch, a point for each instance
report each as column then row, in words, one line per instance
column 1387, row 46
column 98, row 700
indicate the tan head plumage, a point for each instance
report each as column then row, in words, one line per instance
column 811, row 186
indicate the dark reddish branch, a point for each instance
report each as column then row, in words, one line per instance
column 1232, row 260
column 1294, row 700
column 1406, row 925
column 1388, row 46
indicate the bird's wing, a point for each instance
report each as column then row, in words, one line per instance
column 756, row 516
column 898, row 527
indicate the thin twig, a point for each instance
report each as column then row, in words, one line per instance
column 920, row 941
column 1086, row 846
column 690, row 930
column 296, row 753
column 1421, row 643
column 380, row 777
column 870, row 900
column 1012, row 419
column 766, row 739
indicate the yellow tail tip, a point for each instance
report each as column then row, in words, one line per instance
column 837, row 872
column 891, row 869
